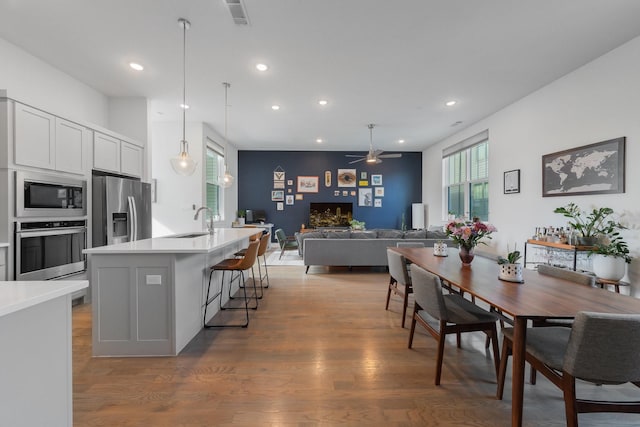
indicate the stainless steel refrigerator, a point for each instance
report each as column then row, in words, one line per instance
column 121, row 210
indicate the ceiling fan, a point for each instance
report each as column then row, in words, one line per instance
column 373, row 156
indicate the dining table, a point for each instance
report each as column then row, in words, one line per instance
column 537, row 298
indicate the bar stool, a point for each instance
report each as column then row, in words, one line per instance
column 238, row 265
column 262, row 249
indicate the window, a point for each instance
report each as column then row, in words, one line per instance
column 214, row 192
column 466, row 177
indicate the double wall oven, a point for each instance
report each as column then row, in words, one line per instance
column 50, row 227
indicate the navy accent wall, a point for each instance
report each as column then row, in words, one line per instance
column 401, row 180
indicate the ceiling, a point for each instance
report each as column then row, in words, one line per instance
column 392, row 63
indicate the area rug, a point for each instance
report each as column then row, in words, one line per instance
column 288, row 258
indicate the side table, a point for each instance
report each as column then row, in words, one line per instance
column 605, row 282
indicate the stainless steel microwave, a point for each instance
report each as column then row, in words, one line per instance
column 42, row 195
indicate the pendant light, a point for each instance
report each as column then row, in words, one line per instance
column 227, row 179
column 183, row 163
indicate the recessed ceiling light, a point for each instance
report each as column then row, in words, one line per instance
column 136, row 66
column 323, row 102
column 184, row 106
column 319, row 140
column 262, row 67
column 450, row 103
column 401, row 141
column 275, row 107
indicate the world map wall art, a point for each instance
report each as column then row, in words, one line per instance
column 591, row 169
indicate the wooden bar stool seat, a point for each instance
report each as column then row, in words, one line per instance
column 606, row 282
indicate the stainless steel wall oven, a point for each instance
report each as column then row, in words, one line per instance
column 49, row 249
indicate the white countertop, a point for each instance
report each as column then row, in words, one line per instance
column 173, row 244
column 16, row 296
column 4, row 245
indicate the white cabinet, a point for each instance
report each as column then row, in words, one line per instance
column 72, row 146
column 34, row 137
column 130, row 159
column 114, row 155
column 45, row 141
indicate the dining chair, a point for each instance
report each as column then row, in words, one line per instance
column 399, row 280
column 442, row 314
column 285, row 242
column 600, row 348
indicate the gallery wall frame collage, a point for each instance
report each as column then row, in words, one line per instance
column 367, row 187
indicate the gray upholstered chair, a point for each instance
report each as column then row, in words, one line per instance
column 399, row 280
column 565, row 273
column 600, row 348
column 285, row 242
column 442, row 314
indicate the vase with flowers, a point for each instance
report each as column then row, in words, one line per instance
column 467, row 235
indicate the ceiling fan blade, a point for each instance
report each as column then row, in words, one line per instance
column 356, row 161
column 390, row 156
column 354, row 155
column 377, row 153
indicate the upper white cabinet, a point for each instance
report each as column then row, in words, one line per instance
column 114, row 155
column 42, row 140
column 34, row 137
column 72, row 146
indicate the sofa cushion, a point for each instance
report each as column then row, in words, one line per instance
column 390, row 234
column 415, row 234
column 436, row 234
column 342, row 234
column 363, row 235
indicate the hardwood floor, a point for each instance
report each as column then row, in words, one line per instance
column 320, row 350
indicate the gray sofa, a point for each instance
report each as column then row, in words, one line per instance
column 358, row 248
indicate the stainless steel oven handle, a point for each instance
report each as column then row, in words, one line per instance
column 51, row 232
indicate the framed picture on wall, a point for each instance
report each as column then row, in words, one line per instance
column 591, row 169
column 376, row 179
column 379, row 191
column 289, row 199
column 277, row 195
column 377, row 203
column 346, row 177
column 307, row 184
column 512, row 181
column 365, row 197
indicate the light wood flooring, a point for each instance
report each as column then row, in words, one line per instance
column 320, row 350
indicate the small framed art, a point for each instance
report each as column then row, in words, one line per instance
column 512, row 181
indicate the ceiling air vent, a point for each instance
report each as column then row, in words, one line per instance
column 238, row 13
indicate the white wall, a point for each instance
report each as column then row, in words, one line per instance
column 594, row 103
column 173, row 212
column 34, row 82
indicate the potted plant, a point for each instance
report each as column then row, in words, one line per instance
column 610, row 257
column 510, row 268
column 240, row 214
column 589, row 226
column 357, row 225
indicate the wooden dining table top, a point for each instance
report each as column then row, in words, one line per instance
column 540, row 296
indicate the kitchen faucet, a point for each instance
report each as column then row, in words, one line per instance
column 210, row 223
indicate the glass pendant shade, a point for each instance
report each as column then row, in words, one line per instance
column 183, row 164
column 227, row 179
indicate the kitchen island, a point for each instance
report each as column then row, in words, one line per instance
column 35, row 359
column 148, row 295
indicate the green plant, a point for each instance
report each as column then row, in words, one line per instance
column 595, row 223
column 241, row 213
column 356, row 224
column 512, row 257
column 616, row 247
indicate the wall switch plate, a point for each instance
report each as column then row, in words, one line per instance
column 154, row 279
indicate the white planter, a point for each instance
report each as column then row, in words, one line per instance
column 511, row 272
column 440, row 249
column 240, row 221
column 608, row 267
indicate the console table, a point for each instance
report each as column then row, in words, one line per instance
column 552, row 246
